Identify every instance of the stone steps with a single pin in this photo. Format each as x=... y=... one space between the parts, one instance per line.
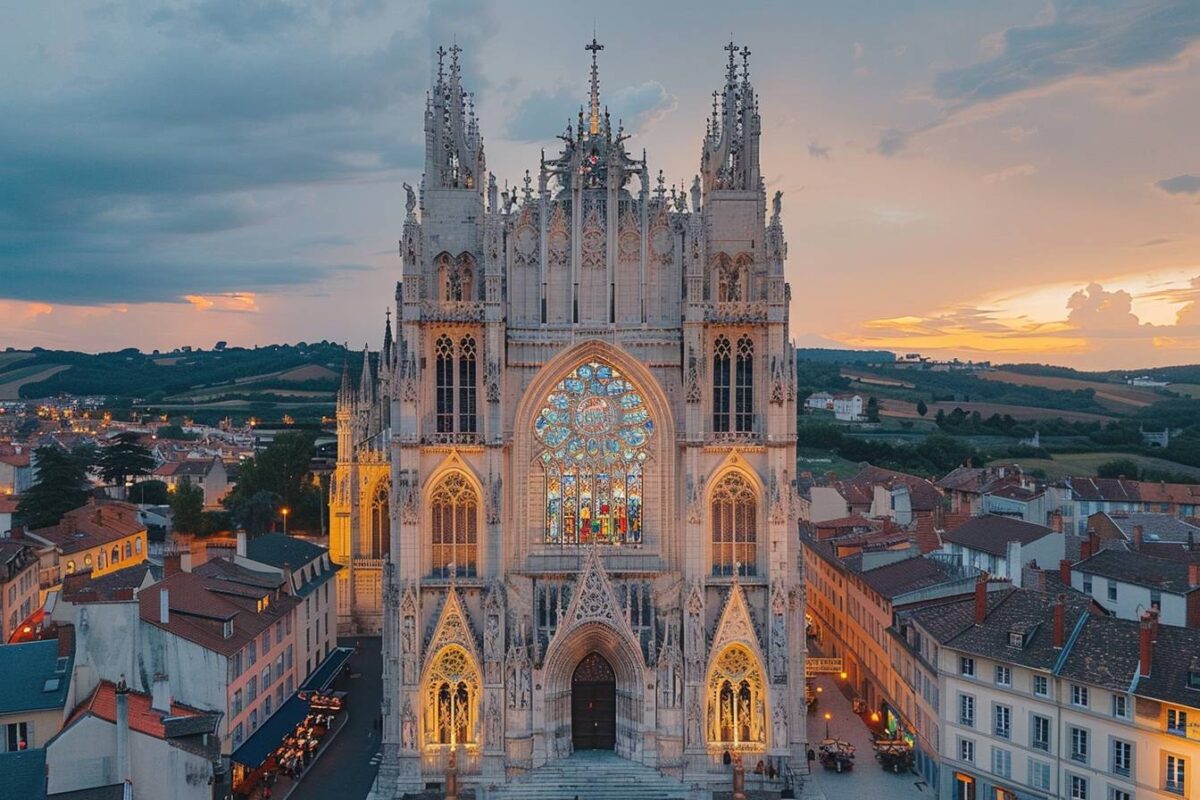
x=592 y=776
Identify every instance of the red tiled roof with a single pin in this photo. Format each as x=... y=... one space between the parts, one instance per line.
x=142 y=718
x=91 y=526
x=991 y=533
x=927 y=537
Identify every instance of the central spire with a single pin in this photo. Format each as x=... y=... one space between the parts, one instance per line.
x=594 y=125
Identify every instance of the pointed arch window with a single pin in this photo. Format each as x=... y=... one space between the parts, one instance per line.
x=734 y=517
x=736 y=700
x=595 y=429
x=467 y=420
x=721 y=384
x=381 y=520
x=452 y=699
x=744 y=386
x=460 y=278
x=443 y=353
x=454 y=510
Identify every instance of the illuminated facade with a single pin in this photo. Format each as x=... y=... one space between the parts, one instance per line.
x=564 y=491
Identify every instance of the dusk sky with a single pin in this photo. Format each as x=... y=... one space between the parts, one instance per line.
x=1013 y=181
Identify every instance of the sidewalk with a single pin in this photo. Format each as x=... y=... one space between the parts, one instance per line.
x=285 y=785
x=867 y=779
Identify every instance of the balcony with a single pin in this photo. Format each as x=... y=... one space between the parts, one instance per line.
x=736 y=313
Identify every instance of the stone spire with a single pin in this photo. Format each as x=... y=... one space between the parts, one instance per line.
x=453 y=146
x=366 y=384
x=594 y=97
x=730 y=155
x=345 y=397
x=386 y=355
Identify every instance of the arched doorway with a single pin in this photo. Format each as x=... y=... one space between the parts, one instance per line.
x=593 y=704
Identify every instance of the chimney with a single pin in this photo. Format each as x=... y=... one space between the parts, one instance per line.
x=981 y=591
x=172 y=563
x=1137 y=537
x=125 y=772
x=1146 y=641
x=1013 y=558
x=164 y=606
x=1064 y=572
x=160 y=693
x=241 y=543
x=1093 y=542
x=1060 y=622
x=1194 y=575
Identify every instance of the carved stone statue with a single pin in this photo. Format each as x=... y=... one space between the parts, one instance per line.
x=695 y=737
x=779 y=721
x=410 y=200
x=776 y=205
x=493 y=738
x=408 y=727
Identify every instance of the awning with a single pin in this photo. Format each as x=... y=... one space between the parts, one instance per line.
x=323 y=676
x=266 y=739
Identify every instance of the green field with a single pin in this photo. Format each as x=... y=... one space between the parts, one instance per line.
x=1068 y=464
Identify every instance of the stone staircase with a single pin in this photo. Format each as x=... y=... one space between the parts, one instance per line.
x=591 y=775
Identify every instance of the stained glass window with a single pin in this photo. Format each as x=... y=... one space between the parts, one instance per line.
x=454 y=513
x=734 y=512
x=594 y=428
x=381 y=521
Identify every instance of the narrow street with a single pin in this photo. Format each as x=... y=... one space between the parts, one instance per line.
x=868 y=778
x=347 y=768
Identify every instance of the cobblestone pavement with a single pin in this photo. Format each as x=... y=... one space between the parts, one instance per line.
x=867 y=779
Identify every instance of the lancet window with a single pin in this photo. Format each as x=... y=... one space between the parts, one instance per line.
x=744 y=386
x=452 y=699
x=736 y=700
x=454 y=525
x=594 y=428
x=721 y=384
x=456 y=375
x=381 y=520
x=734 y=518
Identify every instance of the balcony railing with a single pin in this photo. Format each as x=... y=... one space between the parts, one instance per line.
x=452 y=311
x=736 y=313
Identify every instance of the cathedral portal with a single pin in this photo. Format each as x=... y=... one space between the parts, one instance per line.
x=593 y=704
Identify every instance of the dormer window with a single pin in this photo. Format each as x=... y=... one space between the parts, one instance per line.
x=1193 y=679
x=227 y=628
x=1016 y=639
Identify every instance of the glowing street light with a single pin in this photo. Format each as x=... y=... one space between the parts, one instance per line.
x=285 y=511
x=828 y=717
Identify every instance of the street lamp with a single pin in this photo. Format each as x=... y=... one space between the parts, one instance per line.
x=285 y=511
x=828 y=717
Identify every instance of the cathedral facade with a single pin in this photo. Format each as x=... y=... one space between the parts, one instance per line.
x=564 y=492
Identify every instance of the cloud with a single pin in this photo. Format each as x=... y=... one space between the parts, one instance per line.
x=818 y=150
x=153 y=172
x=1008 y=173
x=1155 y=242
x=892 y=141
x=1019 y=133
x=1073 y=40
x=1180 y=184
x=545 y=113
x=1097 y=311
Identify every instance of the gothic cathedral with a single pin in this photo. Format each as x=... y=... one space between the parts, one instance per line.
x=564 y=491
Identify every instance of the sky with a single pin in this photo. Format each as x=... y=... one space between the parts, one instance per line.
x=1016 y=181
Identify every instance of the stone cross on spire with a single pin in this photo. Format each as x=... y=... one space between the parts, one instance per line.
x=746 y=64
x=441 y=56
x=595 y=47
x=731 y=72
x=455 y=71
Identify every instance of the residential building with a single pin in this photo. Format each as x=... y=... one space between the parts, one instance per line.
x=18 y=585
x=100 y=537
x=1077 y=706
x=856 y=587
x=1153 y=533
x=16 y=468
x=117 y=736
x=8 y=508
x=1091 y=495
x=24 y=774
x=848 y=407
x=309 y=573
x=1126 y=583
x=1004 y=490
x=37 y=690
x=207 y=473
x=1002 y=546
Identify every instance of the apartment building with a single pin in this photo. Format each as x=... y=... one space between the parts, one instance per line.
x=1041 y=698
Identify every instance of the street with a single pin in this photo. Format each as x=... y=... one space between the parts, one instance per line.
x=347 y=768
x=867 y=779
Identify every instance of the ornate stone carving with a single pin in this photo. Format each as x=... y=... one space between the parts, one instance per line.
x=518 y=670
x=408 y=638
x=453 y=628
x=735 y=625
x=694 y=639
x=777 y=381
x=778 y=637
x=493 y=739
x=492 y=500
x=779 y=720
x=593 y=250
x=670 y=664
x=410 y=202
x=408 y=379
x=408 y=726
x=693 y=377
x=695 y=722
x=776 y=499
x=558 y=240
x=491 y=381
x=493 y=635
x=629 y=240
x=406 y=491
x=695 y=499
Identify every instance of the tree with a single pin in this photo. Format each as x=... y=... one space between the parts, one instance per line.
x=187 y=507
x=282 y=470
x=1119 y=468
x=123 y=458
x=872 y=409
x=256 y=513
x=61 y=486
x=922 y=409
x=153 y=493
